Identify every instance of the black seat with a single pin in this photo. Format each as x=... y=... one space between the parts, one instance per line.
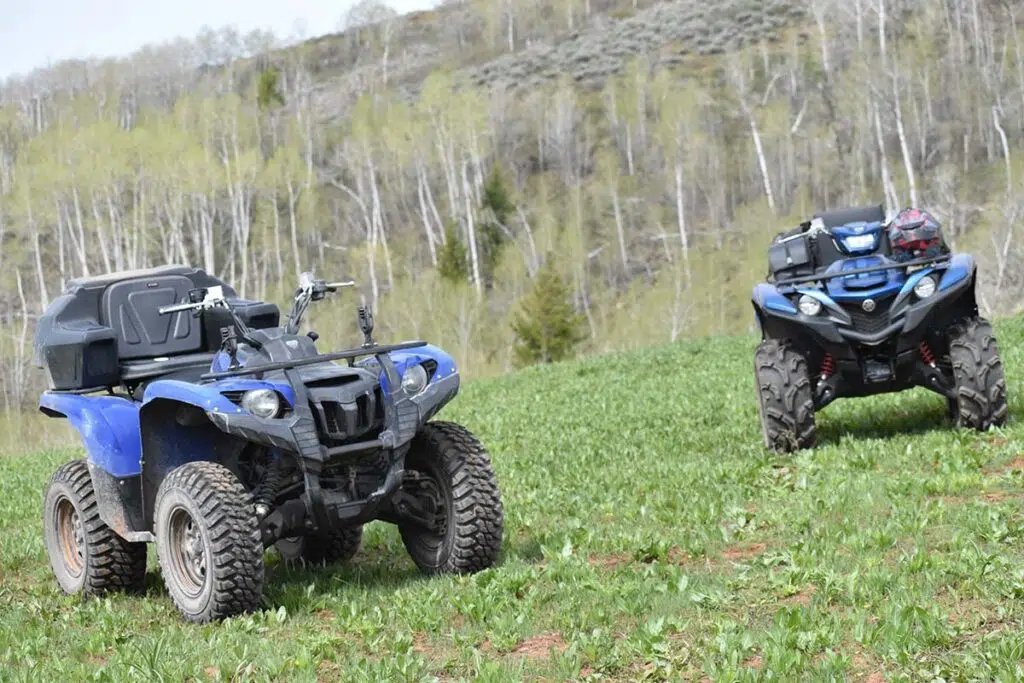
x=854 y=214
x=139 y=370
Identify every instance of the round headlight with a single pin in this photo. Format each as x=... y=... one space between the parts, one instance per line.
x=262 y=402
x=925 y=287
x=414 y=379
x=809 y=305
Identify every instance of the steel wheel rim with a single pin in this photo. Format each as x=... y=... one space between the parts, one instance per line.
x=70 y=536
x=434 y=542
x=188 y=552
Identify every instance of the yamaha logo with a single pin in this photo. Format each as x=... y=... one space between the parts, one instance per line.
x=868 y=305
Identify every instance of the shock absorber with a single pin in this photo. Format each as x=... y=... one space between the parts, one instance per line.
x=266 y=490
x=926 y=353
x=828 y=366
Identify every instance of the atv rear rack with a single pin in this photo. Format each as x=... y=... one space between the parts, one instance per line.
x=803 y=279
x=350 y=354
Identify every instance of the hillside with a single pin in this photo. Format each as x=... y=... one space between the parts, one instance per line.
x=647 y=150
x=646 y=538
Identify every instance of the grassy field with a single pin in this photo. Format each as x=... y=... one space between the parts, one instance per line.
x=649 y=536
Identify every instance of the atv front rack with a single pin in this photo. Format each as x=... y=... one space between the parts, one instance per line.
x=374 y=350
x=804 y=279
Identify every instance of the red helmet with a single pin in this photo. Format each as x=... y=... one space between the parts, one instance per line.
x=914 y=233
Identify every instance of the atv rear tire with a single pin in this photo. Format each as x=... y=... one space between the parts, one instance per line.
x=978 y=374
x=784 y=397
x=337 y=546
x=85 y=554
x=458 y=467
x=208 y=542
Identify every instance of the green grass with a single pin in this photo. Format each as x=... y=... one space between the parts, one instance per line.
x=648 y=534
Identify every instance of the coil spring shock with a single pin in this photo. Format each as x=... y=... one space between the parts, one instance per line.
x=926 y=353
x=268 y=487
x=828 y=366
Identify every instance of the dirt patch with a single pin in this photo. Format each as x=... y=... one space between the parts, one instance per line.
x=1016 y=464
x=754 y=662
x=875 y=677
x=327 y=670
x=212 y=672
x=743 y=551
x=800 y=598
x=609 y=562
x=540 y=646
x=420 y=644
x=994 y=496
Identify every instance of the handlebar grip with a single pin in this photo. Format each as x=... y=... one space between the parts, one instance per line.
x=333 y=286
x=176 y=308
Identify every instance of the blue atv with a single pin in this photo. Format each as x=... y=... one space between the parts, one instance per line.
x=856 y=306
x=215 y=432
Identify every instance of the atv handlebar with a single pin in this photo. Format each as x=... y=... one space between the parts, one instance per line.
x=214 y=296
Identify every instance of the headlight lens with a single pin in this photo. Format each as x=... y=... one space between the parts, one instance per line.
x=262 y=402
x=809 y=305
x=414 y=379
x=925 y=287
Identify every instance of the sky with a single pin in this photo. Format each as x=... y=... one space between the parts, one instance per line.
x=34 y=33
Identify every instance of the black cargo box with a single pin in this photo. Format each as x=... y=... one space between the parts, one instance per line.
x=87 y=333
x=790 y=256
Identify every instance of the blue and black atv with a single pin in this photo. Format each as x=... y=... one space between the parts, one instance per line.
x=856 y=305
x=216 y=433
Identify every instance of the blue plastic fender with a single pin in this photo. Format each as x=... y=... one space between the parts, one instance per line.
x=767 y=297
x=108 y=425
x=961 y=266
x=404 y=359
x=209 y=396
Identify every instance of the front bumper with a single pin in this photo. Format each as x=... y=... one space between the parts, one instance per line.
x=846 y=332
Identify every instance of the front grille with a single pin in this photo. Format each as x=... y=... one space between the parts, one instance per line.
x=345 y=420
x=868 y=323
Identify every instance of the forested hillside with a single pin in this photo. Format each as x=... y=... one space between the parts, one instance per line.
x=647 y=150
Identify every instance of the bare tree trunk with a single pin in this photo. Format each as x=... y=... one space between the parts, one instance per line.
x=890 y=191
x=684 y=239
x=471 y=235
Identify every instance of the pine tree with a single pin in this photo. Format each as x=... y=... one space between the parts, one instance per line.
x=495 y=210
x=452 y=262
x=547 y=328
x=268 y=90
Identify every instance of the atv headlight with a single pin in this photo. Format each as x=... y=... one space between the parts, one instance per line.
x=925 y=287
x=262 y=402
x=414 y=379
x=809 y=305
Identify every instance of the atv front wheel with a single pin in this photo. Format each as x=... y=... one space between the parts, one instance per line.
x=85 y=554
x=336 y=546
x=458 y=479
x=978 y=374
x=784 y=397
x=208 y=542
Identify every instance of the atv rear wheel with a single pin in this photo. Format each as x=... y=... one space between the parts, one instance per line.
x=978 y=374
x=336 y=546
x=784 y=397
x=208 y=542
x=85 y=554
x=458 y=478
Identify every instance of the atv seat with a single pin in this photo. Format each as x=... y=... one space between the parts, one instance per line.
x=855 y=214
x=140 y=370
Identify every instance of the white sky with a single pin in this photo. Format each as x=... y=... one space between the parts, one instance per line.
x=34 y=33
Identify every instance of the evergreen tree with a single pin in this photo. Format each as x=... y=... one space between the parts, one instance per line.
x=495 y=211
x=547 y=328
x=452 y=262
x=268 y=90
